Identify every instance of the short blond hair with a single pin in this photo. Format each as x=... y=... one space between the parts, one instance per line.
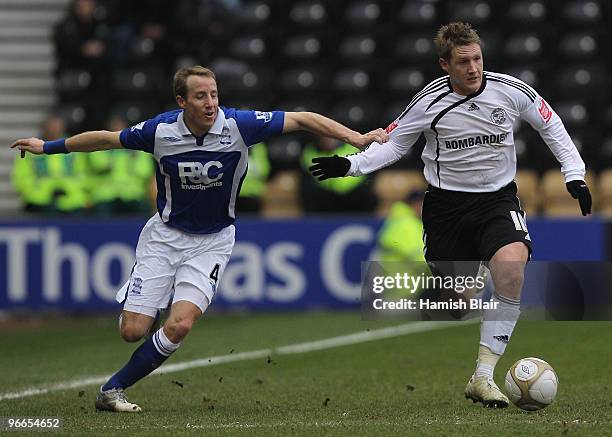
x=452 y=35
x=179 y=84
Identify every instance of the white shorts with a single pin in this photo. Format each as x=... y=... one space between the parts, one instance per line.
x=171 y=263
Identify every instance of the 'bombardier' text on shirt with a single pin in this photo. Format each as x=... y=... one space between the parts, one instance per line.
x=469 y=139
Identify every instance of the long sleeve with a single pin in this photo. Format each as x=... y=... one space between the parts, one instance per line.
x=375 y=157
x=550 y=127
x=403 y=133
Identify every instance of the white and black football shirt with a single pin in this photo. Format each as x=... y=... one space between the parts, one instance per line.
x=469 y=139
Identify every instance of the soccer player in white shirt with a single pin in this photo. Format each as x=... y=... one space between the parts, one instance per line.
x=201 y=152
x=470 y=210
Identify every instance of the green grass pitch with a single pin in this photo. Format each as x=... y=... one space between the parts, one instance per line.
x=406 y=385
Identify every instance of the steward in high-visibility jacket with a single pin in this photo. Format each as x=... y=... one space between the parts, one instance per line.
x=51 y=183
x=401 y=236
x=254 y=184
x=400 y=243
x=118 y=181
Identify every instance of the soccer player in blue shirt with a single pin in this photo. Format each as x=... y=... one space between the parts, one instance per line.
x=201 y=153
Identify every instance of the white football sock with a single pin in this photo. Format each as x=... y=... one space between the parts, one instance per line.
x=485 y=365
x=163 y=344
x=495 y=332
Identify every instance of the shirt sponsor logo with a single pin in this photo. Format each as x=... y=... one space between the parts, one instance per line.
x=392 y=126
x=265 y=116
x=464 y=143
x=171 y=139
x=545 y=111
x=498 y=116
x=194 y=175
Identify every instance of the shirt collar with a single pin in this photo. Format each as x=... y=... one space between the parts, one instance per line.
x=477 y=93
x=182 y=127
x=217 y=127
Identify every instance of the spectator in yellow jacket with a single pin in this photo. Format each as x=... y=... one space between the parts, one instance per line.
x=254 y=184
x=401 y=236
x=51 y=183
x=119 y=179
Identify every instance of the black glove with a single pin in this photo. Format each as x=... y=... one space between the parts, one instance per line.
x=332 y=167
x=580 y=191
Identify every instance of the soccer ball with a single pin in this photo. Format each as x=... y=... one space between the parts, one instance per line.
x=531 y=384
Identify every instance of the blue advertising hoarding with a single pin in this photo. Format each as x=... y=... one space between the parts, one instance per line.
x=276 y=264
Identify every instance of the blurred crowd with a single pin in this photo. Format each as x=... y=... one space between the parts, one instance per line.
x=122 y=181
x=102 y=183
x=357 y=61
x=118 y=57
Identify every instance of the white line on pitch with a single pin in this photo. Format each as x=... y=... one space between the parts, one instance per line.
x=328 y=343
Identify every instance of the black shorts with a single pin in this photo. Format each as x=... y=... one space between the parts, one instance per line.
x=460 y=226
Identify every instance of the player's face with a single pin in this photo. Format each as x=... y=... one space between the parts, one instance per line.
x=201 y=104
x=464 y=68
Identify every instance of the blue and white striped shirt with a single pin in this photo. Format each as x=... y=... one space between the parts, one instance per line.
x=199 y=178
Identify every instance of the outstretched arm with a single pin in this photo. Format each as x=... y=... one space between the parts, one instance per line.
x=402 y=135
x=550 y=127
x=323 y=126
x=373 y=158
x=85 y=142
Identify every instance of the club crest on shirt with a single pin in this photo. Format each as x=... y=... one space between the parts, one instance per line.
x=498 y=116
x=225 y=137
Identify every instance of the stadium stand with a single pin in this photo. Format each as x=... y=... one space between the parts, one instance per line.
x=418 y=13
x=255 y=15
x=393 y=185
x=527 y=13
x=305 y=81
x=281 y=198
x=527 y=182
x=27 y=91
x=357 y=60
x=604 y=186
x=555 y=201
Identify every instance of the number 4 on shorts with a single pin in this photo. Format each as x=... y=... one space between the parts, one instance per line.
x=214 y=274
x=519 y=221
